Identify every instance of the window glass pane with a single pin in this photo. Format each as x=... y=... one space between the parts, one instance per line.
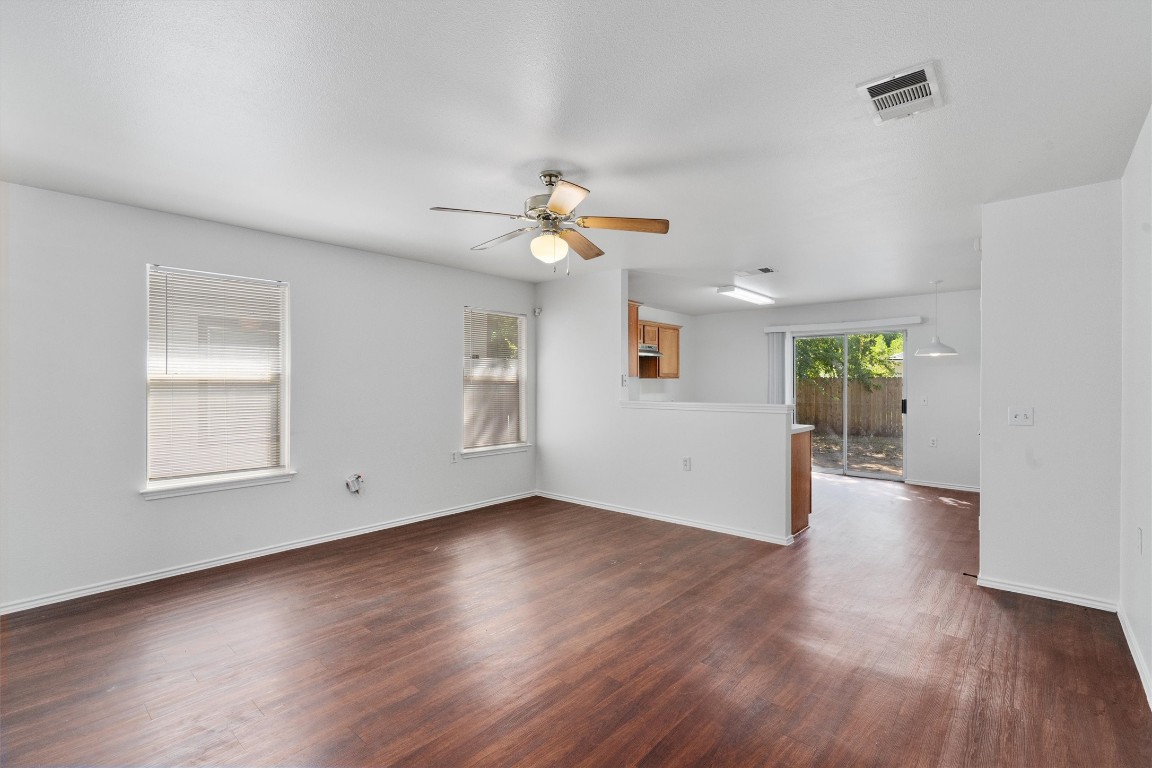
x=493 y=379
x=216 y=363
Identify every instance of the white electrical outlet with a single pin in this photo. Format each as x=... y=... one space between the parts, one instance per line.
x=931 y=442
x=454 y=457
x=923 y=399
x=1020 y=417
x=687 y=464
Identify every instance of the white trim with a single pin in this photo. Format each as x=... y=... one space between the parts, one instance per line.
x=166 y=489
x=945 y=486
x=202 y=273
x=92 y=589
x=1137 y=657
x=495 y=450
x=744 y=534
x=1048 y=594
x=851 y=325
x=663 y=405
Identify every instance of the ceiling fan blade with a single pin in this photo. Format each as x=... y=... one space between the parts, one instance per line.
x=565 y=197
x=501 y=239
x=582 y=245
x=486 y=213
x=658 y=226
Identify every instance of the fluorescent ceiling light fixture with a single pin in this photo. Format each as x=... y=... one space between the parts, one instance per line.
x=936 y=348
x=737 y=292
x=548 y=247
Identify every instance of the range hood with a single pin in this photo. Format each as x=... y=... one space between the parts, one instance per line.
x=648 y=350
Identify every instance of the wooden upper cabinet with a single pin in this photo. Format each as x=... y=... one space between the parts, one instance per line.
x=669 y=342
x=633 y=338
x=665 y=337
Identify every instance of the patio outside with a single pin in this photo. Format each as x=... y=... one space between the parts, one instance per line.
x=875 y=426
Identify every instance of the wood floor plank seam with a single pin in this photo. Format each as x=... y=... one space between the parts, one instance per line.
x=540 y=632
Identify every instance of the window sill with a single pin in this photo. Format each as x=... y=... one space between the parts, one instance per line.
x=475 y=453
x=169 y=488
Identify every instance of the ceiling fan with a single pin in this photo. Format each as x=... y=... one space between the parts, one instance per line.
x=549 y=213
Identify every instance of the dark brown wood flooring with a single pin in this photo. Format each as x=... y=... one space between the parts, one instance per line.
x=541 y=633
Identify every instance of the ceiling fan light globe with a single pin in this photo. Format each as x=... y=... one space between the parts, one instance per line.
x=548 y=248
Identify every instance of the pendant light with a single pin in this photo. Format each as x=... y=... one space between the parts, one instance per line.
x=936 y=348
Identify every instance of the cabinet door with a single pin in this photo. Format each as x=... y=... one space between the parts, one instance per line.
x=649 y=334
x=801 y=480
x=633 y=339
x=669 y=353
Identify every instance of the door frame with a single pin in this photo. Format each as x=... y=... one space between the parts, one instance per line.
x=844 y=332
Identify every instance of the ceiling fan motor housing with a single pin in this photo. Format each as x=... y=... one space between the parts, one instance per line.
x=536 y=207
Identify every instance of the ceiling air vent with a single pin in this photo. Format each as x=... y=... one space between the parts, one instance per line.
x=755 y=271
x=902 y=93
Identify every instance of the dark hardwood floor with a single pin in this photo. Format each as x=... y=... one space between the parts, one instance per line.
x=541 y=633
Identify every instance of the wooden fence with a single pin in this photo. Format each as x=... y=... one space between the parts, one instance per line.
x=870 y=411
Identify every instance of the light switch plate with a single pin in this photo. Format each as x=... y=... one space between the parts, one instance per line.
x=1020 y=417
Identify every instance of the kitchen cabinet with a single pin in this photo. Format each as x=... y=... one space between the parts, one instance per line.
x=665 y=337
x=668 y=364
x=801 y=476
x=633 y=338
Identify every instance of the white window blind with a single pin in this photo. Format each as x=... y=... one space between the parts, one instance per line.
x=216 y=375
x=493 y=379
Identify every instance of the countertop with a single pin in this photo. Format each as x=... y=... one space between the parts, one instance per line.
x=798 y=428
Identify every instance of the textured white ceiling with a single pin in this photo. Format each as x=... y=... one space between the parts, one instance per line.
x=739 y=121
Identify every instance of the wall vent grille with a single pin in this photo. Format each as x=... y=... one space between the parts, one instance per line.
x=755 y=271
x=902 y=93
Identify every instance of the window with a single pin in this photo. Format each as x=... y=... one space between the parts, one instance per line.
x=493 y=379
x=217 y=379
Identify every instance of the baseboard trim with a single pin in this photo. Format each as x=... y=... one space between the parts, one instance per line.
x=1137 y=656
x=945 y=486
x=165 y=573
x=744 y=534
x=1048 y=594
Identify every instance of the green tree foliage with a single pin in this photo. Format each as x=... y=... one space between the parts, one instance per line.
x=869 y=357
x=504 y=336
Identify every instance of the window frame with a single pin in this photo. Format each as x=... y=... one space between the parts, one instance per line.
x=522 y=443
x=217 y=481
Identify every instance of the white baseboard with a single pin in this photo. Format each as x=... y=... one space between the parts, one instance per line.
x=670 y=519
x=1137 y=655
x=164 y=573
x=1049 y=594
x=945 y=486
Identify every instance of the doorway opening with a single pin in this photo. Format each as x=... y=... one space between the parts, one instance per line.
x=850 y=386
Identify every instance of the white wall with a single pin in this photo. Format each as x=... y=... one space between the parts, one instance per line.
x=1136 y=406
x=375 y=388
x=596 y=448
x=666 y=389
x=1050 y=284
x=729 y=354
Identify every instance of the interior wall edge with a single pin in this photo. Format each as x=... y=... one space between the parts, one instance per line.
x=945 y=486
x=715 y=528
x=40 y=601
x=1086 y=601
x=1138 y=659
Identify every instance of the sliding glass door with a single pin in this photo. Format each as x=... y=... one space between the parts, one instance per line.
x=851 y=388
